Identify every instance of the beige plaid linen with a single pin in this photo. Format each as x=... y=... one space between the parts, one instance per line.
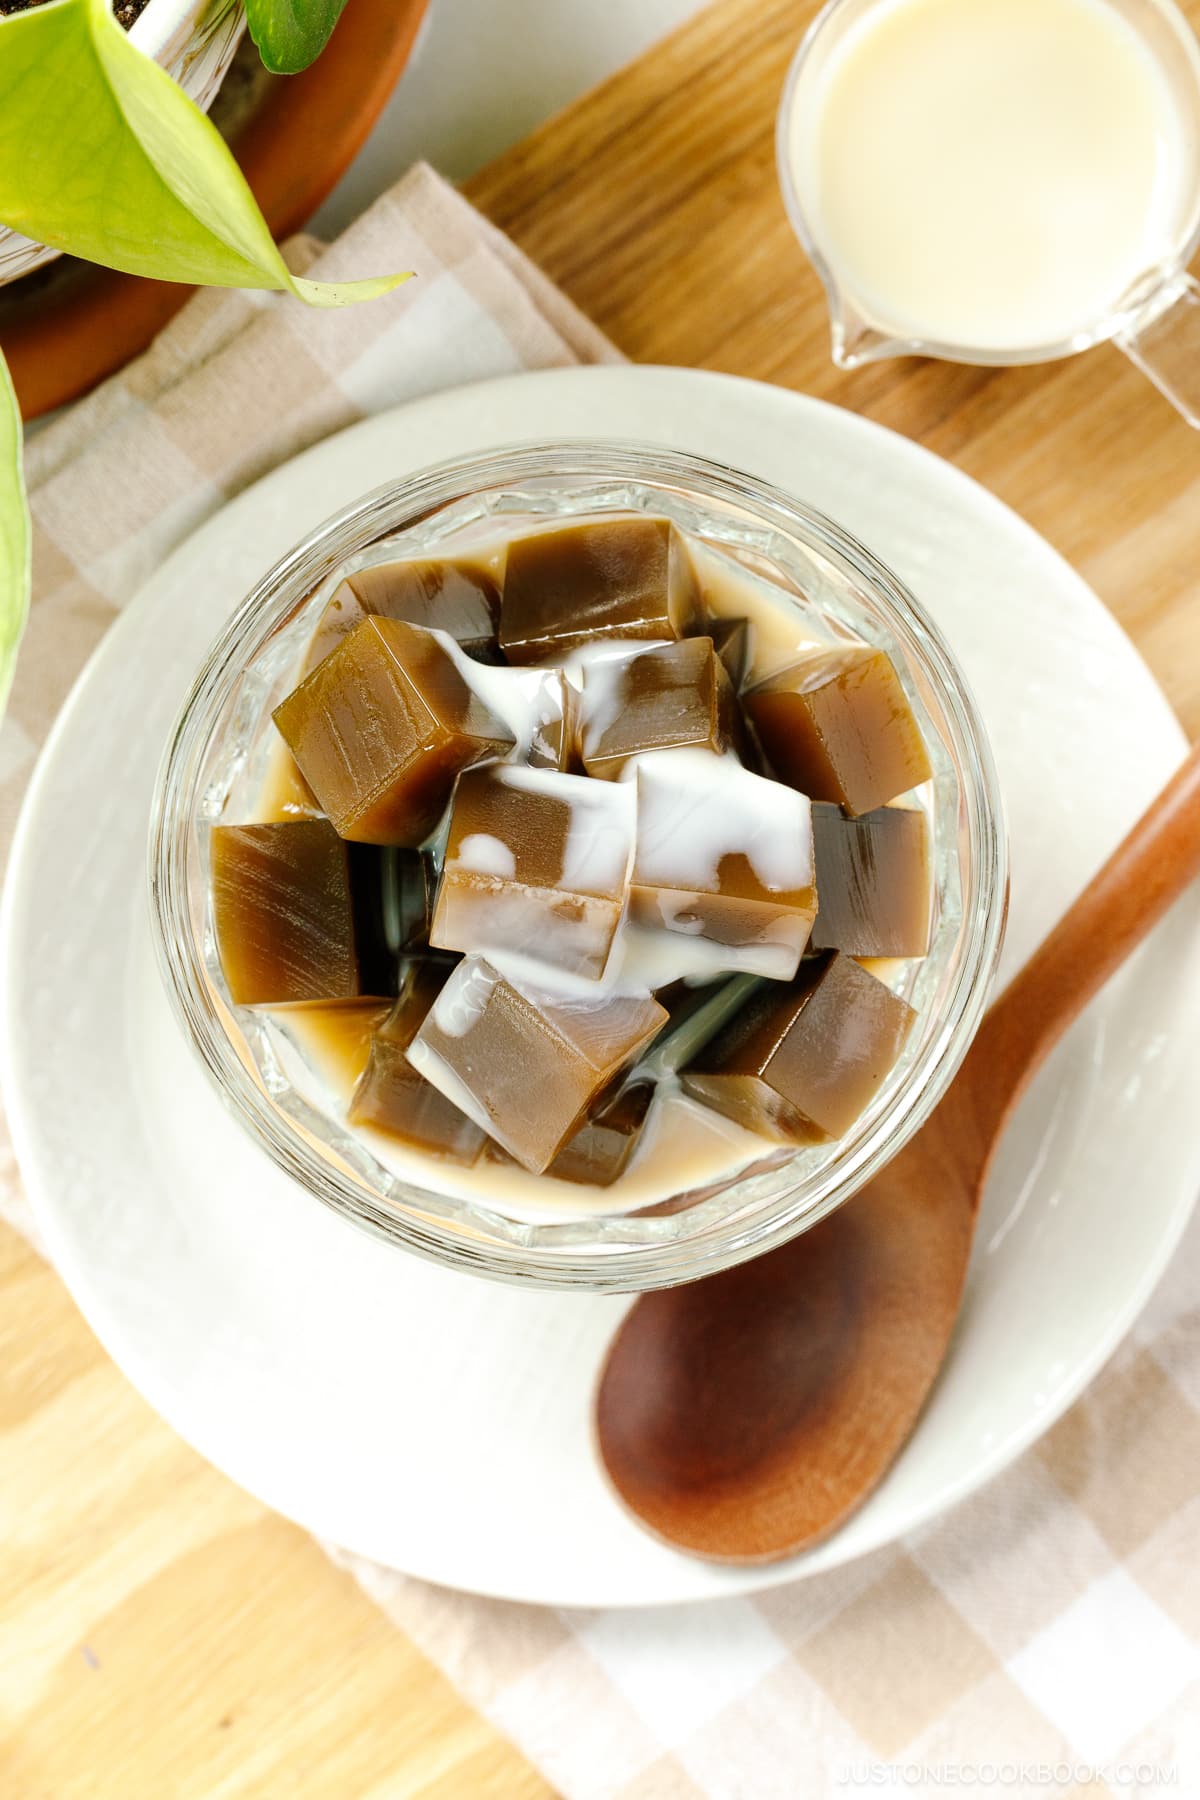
x=1043 y=1639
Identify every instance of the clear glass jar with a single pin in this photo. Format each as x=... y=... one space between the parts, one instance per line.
x=833 y=581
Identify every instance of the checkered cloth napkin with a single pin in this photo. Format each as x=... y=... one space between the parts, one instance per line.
x=1043 y=1639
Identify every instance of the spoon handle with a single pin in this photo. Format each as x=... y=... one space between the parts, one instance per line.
x=1147 y=872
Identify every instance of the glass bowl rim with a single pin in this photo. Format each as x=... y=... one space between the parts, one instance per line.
x=286 y=586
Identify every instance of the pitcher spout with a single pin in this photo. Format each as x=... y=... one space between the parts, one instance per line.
x=855 y=339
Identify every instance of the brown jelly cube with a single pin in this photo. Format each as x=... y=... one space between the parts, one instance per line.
x=392 y=889
x=838 y=726
x=452 y=596
x=284 y=793
x=600 y=1150
x=724 y=855
x=873 y=878
x=552 y=703
x=673 y=697
x=393 y=1097
x=334 y=1036
x=381 y=728
x=524 y=1064
x=799 y=1063
x=626 y=577
x=536 y=862
x=374 y=931
x=283 y=912
x=407 y=885
x=732 y=643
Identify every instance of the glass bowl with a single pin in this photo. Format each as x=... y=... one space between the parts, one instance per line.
x=837 y=588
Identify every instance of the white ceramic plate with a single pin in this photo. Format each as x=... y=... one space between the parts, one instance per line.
x=439 y=1423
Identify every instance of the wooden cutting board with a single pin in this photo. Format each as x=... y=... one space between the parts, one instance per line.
x=162 y=1636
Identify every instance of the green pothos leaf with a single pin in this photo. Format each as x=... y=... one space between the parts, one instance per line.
x=102 y=155
x=14 y=534
x=290 y=34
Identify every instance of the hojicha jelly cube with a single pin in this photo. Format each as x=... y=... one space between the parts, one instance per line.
x=381 y=728
x=724 y=855
x=800 y=1063
x=375 y=923
x=523 y=1063
x=552 y=717
x=873 y=879
x=283 y=912
x=837 y=725
x=334 y=1038
x=672 y=697
x=457 y=597
x=600 y=1151
x=535 y=862
x=284 y=793
x=393 y=1097
x=603 y=578
x=733 y=643
x=407 y=886
x=393 y=889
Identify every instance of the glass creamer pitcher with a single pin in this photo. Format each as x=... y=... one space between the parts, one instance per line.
x=1001 y=181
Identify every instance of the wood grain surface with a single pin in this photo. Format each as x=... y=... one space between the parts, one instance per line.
x=163 y=1637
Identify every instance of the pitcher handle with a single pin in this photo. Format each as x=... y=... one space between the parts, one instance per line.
x=1164 y=341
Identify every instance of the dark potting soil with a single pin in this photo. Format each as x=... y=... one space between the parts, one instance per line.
x=124 y=11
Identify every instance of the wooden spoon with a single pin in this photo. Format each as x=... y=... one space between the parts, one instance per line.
x=748 y=1415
